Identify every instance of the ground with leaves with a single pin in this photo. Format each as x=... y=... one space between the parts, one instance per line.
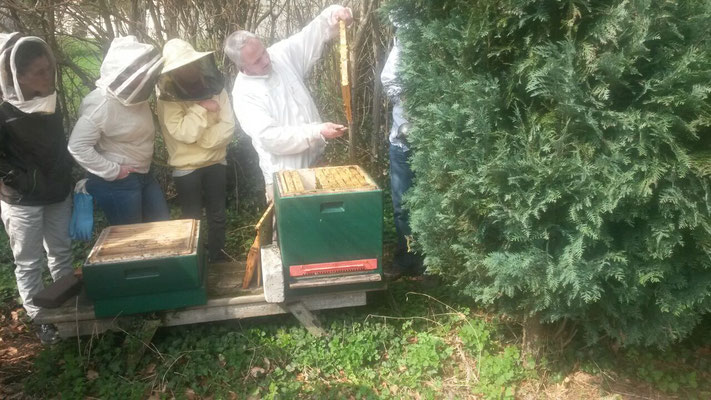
x=409 y=342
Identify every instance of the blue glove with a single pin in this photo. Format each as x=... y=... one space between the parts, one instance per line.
x=82 y=224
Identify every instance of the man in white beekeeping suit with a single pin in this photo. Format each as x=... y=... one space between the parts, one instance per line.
x=270 y=98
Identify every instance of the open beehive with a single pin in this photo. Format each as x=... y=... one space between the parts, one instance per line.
x=146 y=267
x=330 y=223
x=323 y=180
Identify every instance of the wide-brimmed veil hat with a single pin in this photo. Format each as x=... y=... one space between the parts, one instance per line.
x=178 y=52
x=203 y=79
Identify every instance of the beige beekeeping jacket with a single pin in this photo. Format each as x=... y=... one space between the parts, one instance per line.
x=195 y=137
x=115 y=125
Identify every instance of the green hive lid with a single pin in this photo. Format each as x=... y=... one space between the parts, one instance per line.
x=121 y=243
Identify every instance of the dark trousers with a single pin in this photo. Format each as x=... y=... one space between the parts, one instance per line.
x=206 y=186
x=401 y=177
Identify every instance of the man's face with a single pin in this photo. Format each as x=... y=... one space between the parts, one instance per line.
x=38 y=79
x=255 y=59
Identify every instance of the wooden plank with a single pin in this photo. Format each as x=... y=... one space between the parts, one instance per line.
x=68 y=329
x=135 y=344
x=70 y=325
x=341 y=280
x=216 y=312
x=307 y=319
x=225 y=280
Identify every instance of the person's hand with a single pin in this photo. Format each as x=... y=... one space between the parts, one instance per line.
x=210 y=105
x=344 y=14
x=331 y=131
x=124 y=171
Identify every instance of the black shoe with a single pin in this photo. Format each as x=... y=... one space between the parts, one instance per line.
x=47 y=334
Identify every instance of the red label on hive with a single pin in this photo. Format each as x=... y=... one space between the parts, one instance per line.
x=337 y=267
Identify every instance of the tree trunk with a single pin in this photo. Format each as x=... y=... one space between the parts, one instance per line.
x=533 y=338
x=377 y=104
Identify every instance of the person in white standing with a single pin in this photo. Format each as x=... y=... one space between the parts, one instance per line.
x=35 y=169
x=270 y=98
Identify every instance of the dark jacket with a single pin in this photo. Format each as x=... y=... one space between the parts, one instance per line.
x=35 y=166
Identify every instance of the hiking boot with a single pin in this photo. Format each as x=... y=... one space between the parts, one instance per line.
x=47 y=334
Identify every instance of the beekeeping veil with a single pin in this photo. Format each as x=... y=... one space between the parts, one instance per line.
x=17 y=65
x=188 y=75
x=130 y=70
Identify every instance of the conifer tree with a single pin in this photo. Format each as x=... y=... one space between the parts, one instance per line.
x=563 y=152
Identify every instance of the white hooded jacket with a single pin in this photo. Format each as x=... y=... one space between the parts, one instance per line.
x=115 y=125
x=277 y=110
x=9 y=84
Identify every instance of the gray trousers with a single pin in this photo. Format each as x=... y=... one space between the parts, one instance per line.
x=34 y=230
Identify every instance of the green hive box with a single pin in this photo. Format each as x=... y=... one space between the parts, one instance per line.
x=146 y=267
x=330 y=229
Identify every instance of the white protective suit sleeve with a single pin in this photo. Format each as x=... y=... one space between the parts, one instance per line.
x=389 y=76
x=82 y=144
x=305 y=47
x=274 y=138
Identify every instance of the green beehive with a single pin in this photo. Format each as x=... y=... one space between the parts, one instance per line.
x=146 y=267
x=330 y=229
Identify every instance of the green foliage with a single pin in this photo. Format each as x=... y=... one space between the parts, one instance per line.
x=560 y=154
x=428 y=350
x=499 y=367
x=364 y=355
x=85 y=56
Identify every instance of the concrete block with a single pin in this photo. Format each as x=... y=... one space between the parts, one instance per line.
x=272 y=274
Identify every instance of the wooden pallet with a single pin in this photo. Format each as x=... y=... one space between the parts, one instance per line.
x=227 y=300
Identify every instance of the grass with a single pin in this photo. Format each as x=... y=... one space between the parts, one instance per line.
x=369 y=353
x=407 y=343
